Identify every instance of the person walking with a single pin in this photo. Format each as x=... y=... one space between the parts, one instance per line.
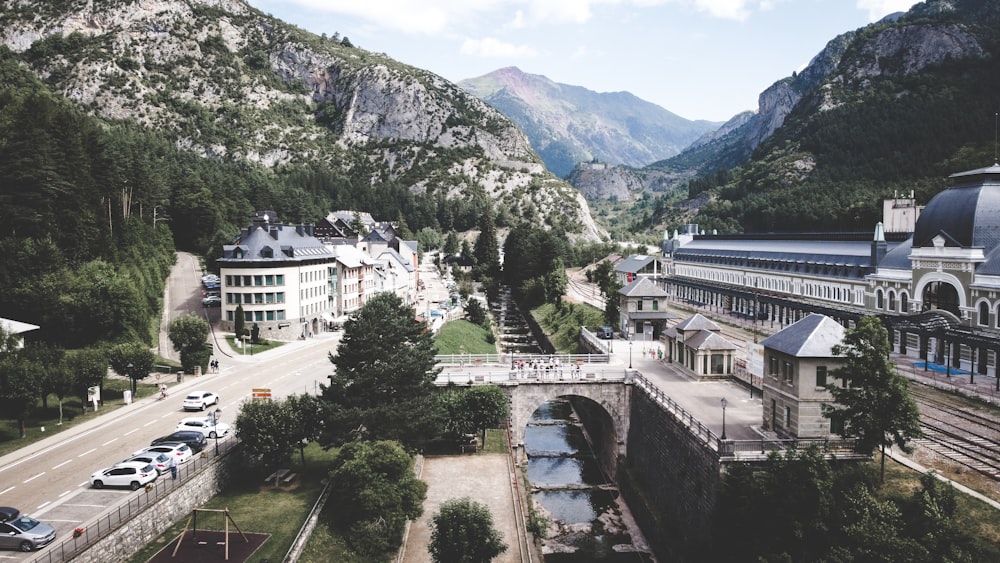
x=173 y=467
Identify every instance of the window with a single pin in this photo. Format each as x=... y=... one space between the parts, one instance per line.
x=904 y=303
x=270 y=315
x=773 y=367
x=984 y=314
x=258 y=280
x=786 y=371
x=788 y=417
x=892 y=300
x=279 y=279
x=280 y=297
x=820 y=376
x=269 y=279
x=258 y=298
x=638 y=305
x=280 y=314
x=879 y=302
x=656 y=305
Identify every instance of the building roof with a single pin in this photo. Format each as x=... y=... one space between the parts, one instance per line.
x=392 y=254
x=967 y=214
x=634 y=263
x=708 y=340
x=812 y=337
x=269 y=242
x=642 y=287
x=697 y=321
x=16 y=327
x=350 y=256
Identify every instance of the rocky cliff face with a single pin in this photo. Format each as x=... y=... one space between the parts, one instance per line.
x=228 y=82
x=569 y=124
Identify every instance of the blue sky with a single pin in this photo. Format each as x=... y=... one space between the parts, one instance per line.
x=700 y=59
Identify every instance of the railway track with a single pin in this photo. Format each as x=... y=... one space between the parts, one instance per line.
x=959 y=431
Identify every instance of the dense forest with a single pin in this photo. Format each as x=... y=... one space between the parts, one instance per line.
x=93 y=211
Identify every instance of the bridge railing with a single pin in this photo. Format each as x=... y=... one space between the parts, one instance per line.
x=696 y=427
x=568 y=374
x=512 y=360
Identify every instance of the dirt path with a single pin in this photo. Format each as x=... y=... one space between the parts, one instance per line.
x=485 y=478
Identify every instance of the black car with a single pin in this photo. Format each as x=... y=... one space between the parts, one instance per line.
x=194 y=439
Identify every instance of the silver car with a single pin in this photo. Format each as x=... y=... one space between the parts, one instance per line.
x=20 y=531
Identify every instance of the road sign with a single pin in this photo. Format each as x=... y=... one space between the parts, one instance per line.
x=261 y=393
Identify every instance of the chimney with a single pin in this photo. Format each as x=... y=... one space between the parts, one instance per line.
x=274 y=232
x=300 y=229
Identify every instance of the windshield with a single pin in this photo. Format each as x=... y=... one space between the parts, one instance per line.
x=24 y=523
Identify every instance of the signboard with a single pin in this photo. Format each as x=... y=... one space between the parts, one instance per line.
x=755 y=359
x=262 y=393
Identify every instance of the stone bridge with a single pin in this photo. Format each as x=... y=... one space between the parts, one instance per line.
x=610 y=389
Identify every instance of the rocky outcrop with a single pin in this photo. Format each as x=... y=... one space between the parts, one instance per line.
x=229 y=82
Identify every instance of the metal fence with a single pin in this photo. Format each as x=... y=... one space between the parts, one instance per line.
x=568 y=374
x=86 y=535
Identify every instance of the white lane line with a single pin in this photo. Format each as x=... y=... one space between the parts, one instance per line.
x=87 y=452
x=41 y=506
x=148 y=423
x=65 y=493
x=30 y=479
x=63 y=463
x=131 y=431
x=109 y=441
x=8 y=489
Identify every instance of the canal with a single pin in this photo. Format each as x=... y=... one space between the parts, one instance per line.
x=588 y=521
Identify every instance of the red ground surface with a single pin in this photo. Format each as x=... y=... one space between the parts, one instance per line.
x=207 y=547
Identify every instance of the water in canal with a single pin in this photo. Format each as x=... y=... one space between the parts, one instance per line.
x=583 y=508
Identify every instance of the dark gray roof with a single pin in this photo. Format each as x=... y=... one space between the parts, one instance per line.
x=967 y=214
x=899 y=257
x=642 y=287
x=275 y=243
x=812 y=337
x=634 y=263
x=708 y=340
x=697 y=321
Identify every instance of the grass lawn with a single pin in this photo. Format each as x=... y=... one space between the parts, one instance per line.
x=462 y=337
x=48 y=417
x=251 y=349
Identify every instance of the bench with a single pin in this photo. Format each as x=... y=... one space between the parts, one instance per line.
x=287 y=479
x=277 y=475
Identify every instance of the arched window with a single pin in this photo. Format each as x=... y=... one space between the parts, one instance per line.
x=904 y=303
x=984 y=314
x=892 y=300
x=879 y=302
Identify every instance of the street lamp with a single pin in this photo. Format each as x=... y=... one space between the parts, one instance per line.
x=724 y=404
x=128 y=372
x=630 y=351
x=215 y=428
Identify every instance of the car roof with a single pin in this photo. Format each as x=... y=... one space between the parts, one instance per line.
x=168 y=445
x=198 y=392
x=131 y=464
x=8 y=513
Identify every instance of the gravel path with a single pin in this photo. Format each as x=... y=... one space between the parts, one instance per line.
x=485 y=478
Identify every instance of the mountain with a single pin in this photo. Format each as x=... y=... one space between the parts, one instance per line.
x=571 y=124
x=224 y=81
x=894 y=106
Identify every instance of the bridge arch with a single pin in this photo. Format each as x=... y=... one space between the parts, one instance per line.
x=612 y=398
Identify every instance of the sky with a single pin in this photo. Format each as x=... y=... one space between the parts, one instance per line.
x=700 y=59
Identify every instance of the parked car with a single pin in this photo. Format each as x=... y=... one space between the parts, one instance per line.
x=193 y=438
x=131 y=474
x=200 y=400
x=178 y=449
x=605 y=332
x=160 y=460
x=20 y=531
x=212 y=301
x=205 y=425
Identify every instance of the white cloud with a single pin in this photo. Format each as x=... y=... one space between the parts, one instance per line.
x=489 y=47
x=878 y=9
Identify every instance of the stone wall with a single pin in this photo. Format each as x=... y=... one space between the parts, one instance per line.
x=601 y=434
x=670 y=481
x=176 y=505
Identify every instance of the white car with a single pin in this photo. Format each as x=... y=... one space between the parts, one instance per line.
x=205 y=425
x=200 y=400
x=180 y=450
x=160 y=461
x=131 y=474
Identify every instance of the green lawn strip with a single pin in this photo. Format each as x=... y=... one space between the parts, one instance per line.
x=251 y=349
x=496 y=441
x=562 y=326
x=48 y=417
x=462 y=337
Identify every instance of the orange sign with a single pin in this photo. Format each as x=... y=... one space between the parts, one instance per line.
x=261 y=394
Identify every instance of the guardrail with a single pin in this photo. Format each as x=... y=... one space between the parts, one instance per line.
x=483 y=360
x=569 y=374
x=113 y=518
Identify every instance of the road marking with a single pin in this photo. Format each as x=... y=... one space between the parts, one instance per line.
x=109 y=441
x=91 y=450
x=41 y=506
x=131 y=431
x=148 y=423
x=8 y=489
x=29 y=479
x=63 y=463
x=65 y=493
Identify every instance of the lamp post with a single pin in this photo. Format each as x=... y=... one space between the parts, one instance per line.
x=215 y=428
x=630 y=352
x=129 y=374
x=724 y=404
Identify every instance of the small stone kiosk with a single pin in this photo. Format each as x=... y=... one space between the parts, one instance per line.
x=797 y=365
x=697 y=344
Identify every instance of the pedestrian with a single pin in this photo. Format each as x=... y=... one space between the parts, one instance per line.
x=173 y=467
